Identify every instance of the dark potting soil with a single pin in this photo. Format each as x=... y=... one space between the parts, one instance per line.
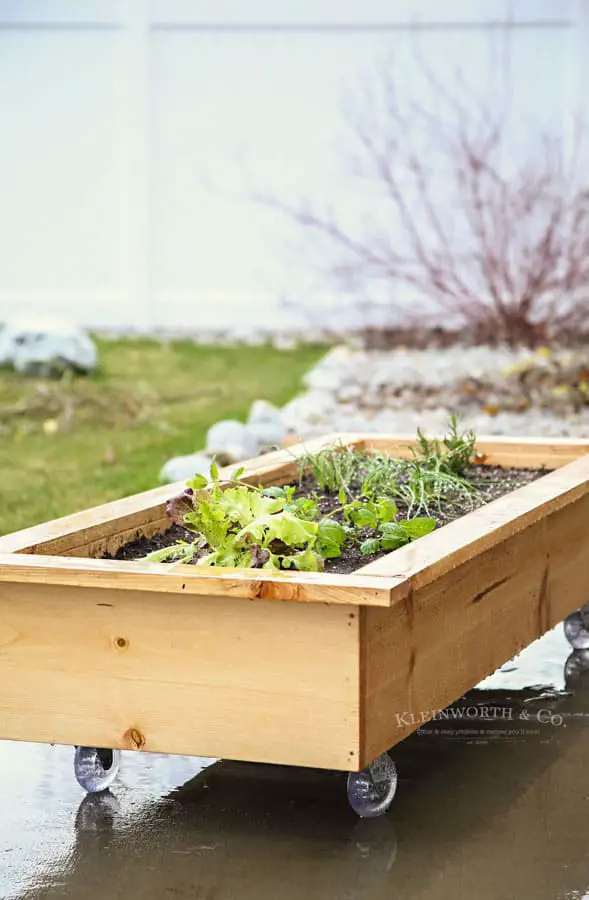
x=142 y=546
x=491 y=482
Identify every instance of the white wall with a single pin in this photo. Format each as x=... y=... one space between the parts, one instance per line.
x=133 y=133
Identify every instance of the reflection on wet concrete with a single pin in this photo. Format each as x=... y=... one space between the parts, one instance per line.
x=490 y=805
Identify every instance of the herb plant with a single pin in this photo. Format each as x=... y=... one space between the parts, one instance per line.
x=436 y=472
x=425 y=484
x=434 y=475
x=333 y=468
x=453 y=455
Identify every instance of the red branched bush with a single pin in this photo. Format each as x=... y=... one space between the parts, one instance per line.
x=494 y=240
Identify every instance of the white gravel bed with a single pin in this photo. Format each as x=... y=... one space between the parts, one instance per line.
x=351 y=390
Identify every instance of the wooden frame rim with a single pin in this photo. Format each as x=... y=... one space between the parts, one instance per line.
x=55 y=553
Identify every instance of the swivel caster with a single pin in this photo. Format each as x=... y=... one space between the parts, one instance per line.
x=96 y=768
x=576 y=665
x=576 y=629
x=371 y=791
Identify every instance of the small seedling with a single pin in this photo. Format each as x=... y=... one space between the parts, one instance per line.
x=334 y=468
x=459 y=450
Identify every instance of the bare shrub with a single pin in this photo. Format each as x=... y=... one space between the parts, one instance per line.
x=490 y=240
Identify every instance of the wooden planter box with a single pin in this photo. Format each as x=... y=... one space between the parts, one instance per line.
x=296 y=668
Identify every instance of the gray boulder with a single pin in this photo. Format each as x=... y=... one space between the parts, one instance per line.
x=46 y=348
x=230 y=441
x=181 y=468
x=265 y=425
x=313 y=407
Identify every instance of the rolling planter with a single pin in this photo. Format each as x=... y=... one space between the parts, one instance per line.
x=294 y=668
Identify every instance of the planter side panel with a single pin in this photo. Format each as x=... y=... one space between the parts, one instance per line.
x=445 y=636
x=252 y=680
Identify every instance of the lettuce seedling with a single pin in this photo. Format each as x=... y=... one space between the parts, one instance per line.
x=245 y=526
x=396 y=534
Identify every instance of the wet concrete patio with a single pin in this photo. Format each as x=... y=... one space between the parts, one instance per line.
x=492 y=803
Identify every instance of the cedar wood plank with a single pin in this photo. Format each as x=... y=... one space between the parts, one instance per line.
x=480 y=590
x=256 y=681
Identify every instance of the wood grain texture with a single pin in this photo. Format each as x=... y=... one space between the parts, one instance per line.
x=253 y=681
x=176 y=660
x=472 y=596
x=519 y=452
x=249 y=584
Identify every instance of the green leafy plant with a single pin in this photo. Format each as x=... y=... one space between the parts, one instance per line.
x=380 y=515
x=396 y=534
x=303 y=507
x=368 y=513
x=240 y=525
x=454 y=454
x=244 y=526
x=435 y=475
x=333 y=468
x=425 y=485
x=380 y=476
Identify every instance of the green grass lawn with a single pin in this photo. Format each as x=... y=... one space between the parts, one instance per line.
x=70 y=444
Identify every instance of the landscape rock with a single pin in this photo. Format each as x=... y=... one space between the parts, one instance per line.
x=350 y=393
x=312 y=408
x=181 y=468
x=495 y=390
x=265 y=425
x=46 y=348
x=230 y=442
x=333 y=370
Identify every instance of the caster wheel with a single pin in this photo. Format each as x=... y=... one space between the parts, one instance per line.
x=96 y=769
x=371 y=791
x=576 y=631
x=576 y=665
